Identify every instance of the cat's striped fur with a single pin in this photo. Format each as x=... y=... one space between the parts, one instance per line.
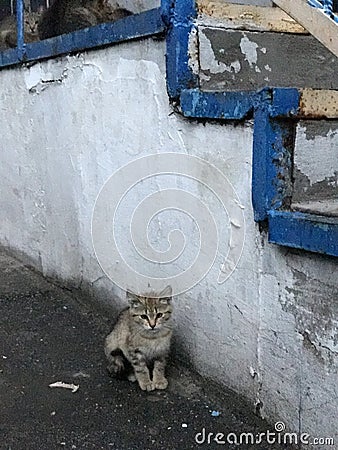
x=66 y=16
x=140 y=341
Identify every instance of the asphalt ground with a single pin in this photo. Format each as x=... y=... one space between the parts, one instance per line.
x=48 y=335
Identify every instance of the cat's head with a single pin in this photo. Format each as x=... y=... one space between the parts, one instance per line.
x=151 y=311
x=32 y=21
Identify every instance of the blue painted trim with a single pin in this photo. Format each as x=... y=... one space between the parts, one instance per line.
x=304 y=231
x=280 y=102
x=181 y=25
x=137 y=26
x=284 y=102
x=166 y=8
x=262 y=135
x=9 y=57
x=272 y=147
x=20 y=28
x=327 y=6
x=217 y=105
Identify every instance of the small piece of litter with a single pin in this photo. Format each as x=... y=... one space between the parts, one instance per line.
x=53 y=413
x=215 y=413
x=184 y=425
x=81 y=374
x=169 y=428
x=60 y=384
x=4 y=357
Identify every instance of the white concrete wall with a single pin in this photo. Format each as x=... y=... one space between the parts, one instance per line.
x=270 y=331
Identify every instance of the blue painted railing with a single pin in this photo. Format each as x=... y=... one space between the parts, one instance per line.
x=329 y=7
x=147 y=23
x=275 y=112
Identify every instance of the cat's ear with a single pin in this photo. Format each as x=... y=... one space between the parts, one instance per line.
x=132 y=298
x=166 y=295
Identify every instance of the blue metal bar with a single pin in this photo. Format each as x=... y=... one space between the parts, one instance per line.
x=147 y=23
x=166 y=8
x=217 y=105
x=261 y=142
x=181 y=25
x=316 y=3
x=305 y=231
x=284 y=102
x=20 y=28
x=272 y=148
x=9 y=57
x=273 y=143
x=329 y=7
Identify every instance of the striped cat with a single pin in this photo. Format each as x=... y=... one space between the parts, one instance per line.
x=66 y=16
x=8 y=32
x=140 y=340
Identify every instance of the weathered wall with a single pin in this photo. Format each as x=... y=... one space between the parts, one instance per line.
x=249 y=60
x=315 y=170
x=269 y=331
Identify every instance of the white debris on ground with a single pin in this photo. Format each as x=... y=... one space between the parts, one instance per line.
x=61 y=384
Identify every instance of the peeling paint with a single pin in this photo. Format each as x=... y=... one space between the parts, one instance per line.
x=314 y=306
x=210 y=63
x=193 y=51
x=249 y=50
x=316 y=158
x=259 y=57
x=39 y=77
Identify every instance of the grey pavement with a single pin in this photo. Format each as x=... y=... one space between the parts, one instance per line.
x=48 y=334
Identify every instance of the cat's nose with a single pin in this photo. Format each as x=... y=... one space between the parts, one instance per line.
x=152 y=324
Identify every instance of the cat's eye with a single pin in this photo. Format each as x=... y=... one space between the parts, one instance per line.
x=158 y=315
x=144 y=316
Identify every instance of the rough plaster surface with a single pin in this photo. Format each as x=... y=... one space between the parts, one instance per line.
x=316 y=161
x=270 y=330
x=244 y=60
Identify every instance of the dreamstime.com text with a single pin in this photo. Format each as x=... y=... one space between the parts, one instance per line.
x=278 y=436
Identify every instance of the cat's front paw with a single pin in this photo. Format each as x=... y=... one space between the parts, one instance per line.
x=146 y=385
x=161 y=384
x=131 y=377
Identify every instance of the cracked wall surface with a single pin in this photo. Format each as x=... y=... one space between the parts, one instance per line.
x=268 y=332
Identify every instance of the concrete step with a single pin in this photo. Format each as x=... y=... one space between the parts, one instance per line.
x=241 y=48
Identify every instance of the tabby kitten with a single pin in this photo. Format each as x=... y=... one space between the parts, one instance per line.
x=65 y=16
x=8 y=32
x=140 y=340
